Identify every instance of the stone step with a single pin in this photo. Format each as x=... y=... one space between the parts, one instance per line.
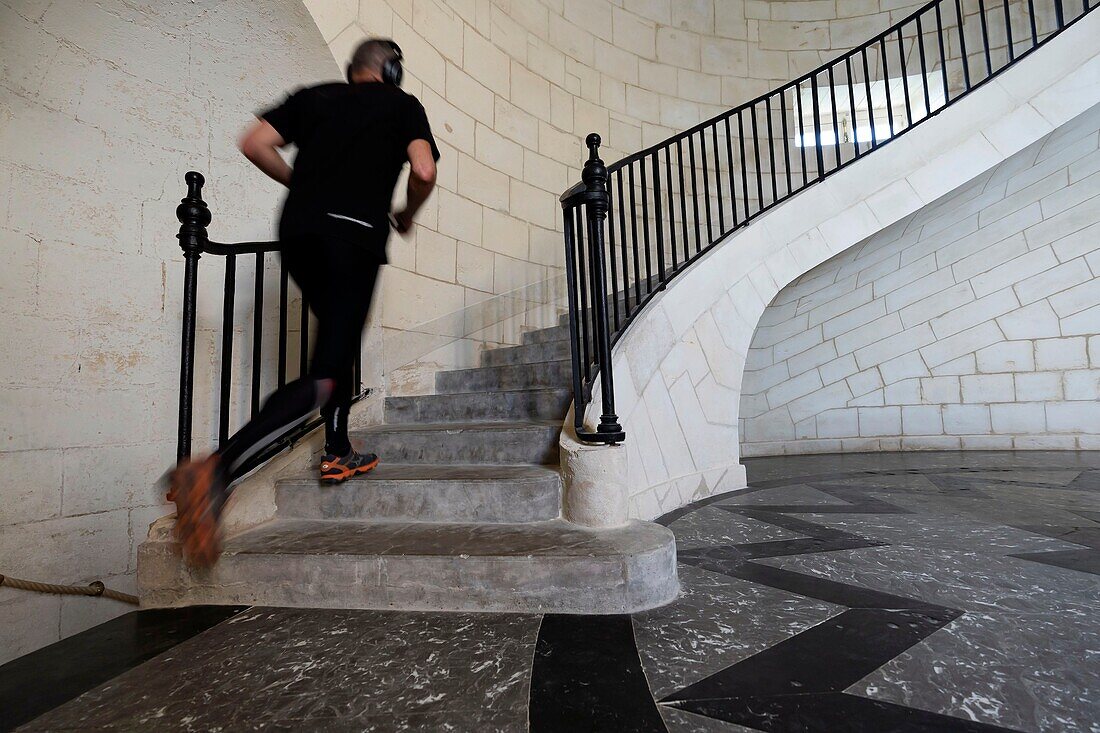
x=450 y=443
x=539 y=567
x=542 y=335
x=547 y=374
x=526 y=354
x=514 y=405
x=424 y=493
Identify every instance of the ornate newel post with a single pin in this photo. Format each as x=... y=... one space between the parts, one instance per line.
x=194 y=216
x=598 y=199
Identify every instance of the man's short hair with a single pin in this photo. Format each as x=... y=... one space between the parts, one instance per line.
x=372 y=54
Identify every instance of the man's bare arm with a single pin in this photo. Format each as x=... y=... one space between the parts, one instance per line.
x=260 y=143
x=421 y=182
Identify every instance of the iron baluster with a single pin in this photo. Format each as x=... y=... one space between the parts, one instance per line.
x=671 y=208
x=611 y=252
x=694 y=193
x=225 y=387
x=923 y=69
x=729 y=171
x=622 y=245
x=718 y=181
x=706 y=185
x=905 y=81
x=257 y=333
x=303 y=342
x=645 y=228
x=852 y=103
x=870 y=101
x=756 y=161
x=836 y=122
x=817 y=127
x=572 y=288
x=801 y=134
x=634 y=236
x=744 y=162
x=194 y=217
x=683 y=199
x=657 y=221
x=943 y=55
x=771 y=149
x=786 y=142
x=985 y=37
x=585 y=312
x=284 y=296
x=962 y=46
x=886 y=86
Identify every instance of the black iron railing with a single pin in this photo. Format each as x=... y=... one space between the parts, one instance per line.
x=194 y=217
x=667 y=205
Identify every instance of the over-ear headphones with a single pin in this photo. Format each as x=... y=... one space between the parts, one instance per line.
x=392 y=70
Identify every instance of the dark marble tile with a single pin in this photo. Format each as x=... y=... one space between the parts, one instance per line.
x=1083 y=536
x=1068 y=500
x=831 y=713
x=40 y=681
x=1085 y=560
x=968 y=580
x=830 y=591
x=270 y=666
x=717 y=621
x=983 y=509
x=681 y=721
x=458 y=721
x=1034 y=672
x=1022 y=476
x=798 y=494
x=945 y=531
x=825 y=658
x=587 y=677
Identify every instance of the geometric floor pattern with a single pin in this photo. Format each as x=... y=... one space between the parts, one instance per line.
x=874 y=592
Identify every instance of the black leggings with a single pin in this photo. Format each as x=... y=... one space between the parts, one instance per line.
x=337 y=279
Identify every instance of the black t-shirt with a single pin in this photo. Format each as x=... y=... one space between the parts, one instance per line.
x=352 y=143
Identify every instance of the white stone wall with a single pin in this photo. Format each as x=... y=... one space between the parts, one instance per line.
x=103 y=107
x=971 y=324
x=678 y=368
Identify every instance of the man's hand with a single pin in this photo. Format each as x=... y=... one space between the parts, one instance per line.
x=402 y=221
x=421 y=182
x=260 y=143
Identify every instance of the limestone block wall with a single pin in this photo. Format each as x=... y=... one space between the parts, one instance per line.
x=679 y=367
x=512 y=87
x=971 y=324
x=103 y=107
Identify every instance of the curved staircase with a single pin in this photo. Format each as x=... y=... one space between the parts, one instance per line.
x=464 y=513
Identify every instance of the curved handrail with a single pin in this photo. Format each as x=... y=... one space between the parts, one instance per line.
x=679 y=199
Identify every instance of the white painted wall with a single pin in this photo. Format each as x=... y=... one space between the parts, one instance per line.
x=970 y=324
x=678 y=369
x=103 y=106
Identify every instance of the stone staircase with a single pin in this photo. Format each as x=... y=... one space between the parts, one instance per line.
x=464 y=513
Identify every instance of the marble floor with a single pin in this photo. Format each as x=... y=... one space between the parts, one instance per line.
x=870 y=592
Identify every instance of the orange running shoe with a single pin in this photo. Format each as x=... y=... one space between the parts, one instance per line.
x=335 y=470
x=198 y=490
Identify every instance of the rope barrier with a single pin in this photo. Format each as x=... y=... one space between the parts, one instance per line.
x=95 y=588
